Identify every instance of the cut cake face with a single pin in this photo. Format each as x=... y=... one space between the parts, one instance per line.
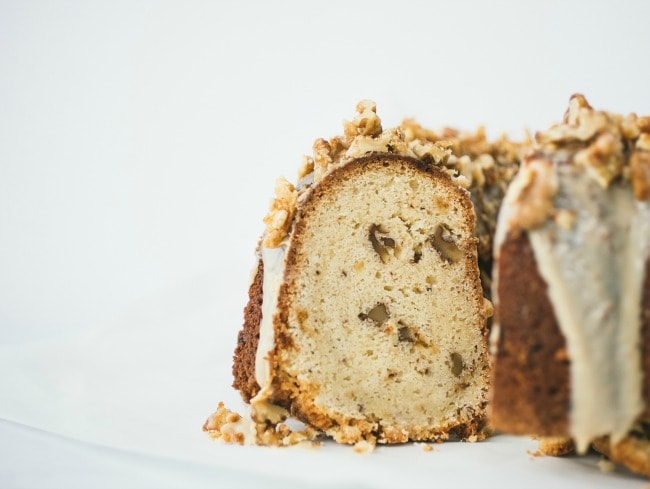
x=380 y=326
x=367 y=319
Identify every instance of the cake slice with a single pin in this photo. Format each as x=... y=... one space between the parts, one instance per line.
x=366 y=318
x=572 y=286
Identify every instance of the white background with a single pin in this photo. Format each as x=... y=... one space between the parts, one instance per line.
x=139 y=145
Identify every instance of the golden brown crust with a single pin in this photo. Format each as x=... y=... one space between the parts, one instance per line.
x=243 y=368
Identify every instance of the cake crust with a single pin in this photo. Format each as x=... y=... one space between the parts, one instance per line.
x=531 y=391
x=243 y=367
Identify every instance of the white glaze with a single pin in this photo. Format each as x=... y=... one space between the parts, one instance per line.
x=274 y=265
x=594 y=273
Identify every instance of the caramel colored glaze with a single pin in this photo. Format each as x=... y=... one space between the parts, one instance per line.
x=531 y=393
x=531 y=383
x=243 y=368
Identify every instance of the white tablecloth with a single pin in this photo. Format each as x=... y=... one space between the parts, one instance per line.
x=139 y=144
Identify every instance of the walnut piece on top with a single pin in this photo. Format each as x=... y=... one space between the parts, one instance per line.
x=608 y=146
x=468 y=158
x=279 y=218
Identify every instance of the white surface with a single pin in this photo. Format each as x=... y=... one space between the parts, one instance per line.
x=139 y=145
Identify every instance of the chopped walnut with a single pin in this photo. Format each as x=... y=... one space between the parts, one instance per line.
x=603 y=158
x=306 y=168
x=640 y=174
x=643 y=143
x=280 y=216
x=581 y=124
x=366 y=123
x=600 y=142
x=228 y=426
x=536 y=184
x=468 y=158
x=322 y=157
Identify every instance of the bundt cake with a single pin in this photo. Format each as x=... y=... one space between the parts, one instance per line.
x=572 y=289
x=366 y=317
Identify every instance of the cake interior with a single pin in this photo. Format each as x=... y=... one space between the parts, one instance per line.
x=385 y=319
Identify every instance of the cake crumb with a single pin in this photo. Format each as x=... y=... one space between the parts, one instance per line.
x=232 y=428
x=364 y=446
x=606 y=465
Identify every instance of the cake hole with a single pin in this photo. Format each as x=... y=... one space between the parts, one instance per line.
x=414 y=185
x=456 y=364
x=430 y=280
x=394 y=376
x=378 y=314
x=443 y=242
x=388 y=287
x=408 y=224
x=417 y=253
x=359 y=266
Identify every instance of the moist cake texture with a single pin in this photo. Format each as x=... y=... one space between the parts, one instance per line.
x=367 y=318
